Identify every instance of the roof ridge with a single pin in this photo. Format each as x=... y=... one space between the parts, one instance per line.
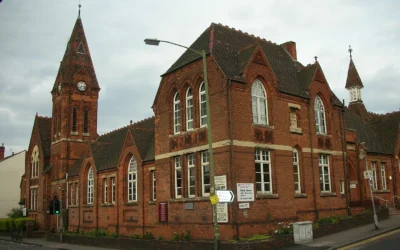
x=245 y=33
x=145 y=119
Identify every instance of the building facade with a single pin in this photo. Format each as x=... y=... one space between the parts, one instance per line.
x=282 y=142
x=11 y=170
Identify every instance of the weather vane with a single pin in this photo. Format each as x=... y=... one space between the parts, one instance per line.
x=79 y=5
x=316 y=58
x=350 y=50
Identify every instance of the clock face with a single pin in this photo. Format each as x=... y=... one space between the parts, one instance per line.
x=81 y=86
x=59 y=87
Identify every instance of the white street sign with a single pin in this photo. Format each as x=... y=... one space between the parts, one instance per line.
x=367 y=174
x=244 y=205
x=225 y=196
x=245 y=192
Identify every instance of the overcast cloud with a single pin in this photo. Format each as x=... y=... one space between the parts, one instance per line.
x=34 y=34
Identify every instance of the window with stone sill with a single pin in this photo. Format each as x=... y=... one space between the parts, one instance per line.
x=112 y=189
x=191 y=175
x=263 y=171
x=320 y=118
x=105 y=191
x=132 y=180
x=154 y=184
x=296 y=171
x=259 y=103
x=90 y=188
x=324 y=173
x=342 y=187
x=205 y=174
x=189 y=110
x=178 y=177
x=383 y=176
x=177 y=113
x=203 y=105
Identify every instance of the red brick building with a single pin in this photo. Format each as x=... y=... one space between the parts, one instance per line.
x=277 y=130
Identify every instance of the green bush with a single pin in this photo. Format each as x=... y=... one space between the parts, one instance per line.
x=6 y=224
x=115 y=235
x=15 y=213
x=329 y=220
x=134 y=236
x=21 y=222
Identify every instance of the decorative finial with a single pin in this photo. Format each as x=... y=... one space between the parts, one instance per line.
x=79 y=13
x=316 y=58
x=350 y=50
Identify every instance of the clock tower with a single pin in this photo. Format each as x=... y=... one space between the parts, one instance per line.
x=75 y=96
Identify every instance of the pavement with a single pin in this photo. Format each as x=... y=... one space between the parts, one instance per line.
x=332 y=241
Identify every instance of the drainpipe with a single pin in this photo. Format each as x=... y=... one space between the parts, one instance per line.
x=312 y=161
x=232 y=163
x=66 y=196
x=344 y=159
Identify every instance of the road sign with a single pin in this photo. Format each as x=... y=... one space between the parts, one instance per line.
x=367 y=174
x=225 y=196
x=214 y=199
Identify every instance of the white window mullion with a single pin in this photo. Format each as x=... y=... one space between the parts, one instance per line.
x=177 y=114
x=205 y=173
x=189 y=110
x=296 y=171
x=324 y=173
x=154 y=194
x=203 y=105
x=383 y=176
x=90 y=186
x=132 y=180
x=191 y=176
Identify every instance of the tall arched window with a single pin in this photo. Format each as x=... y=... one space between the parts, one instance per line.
x=319 y=115
x=177 y=114
x=90 y=189
x=203 y=106
x=189 y=109
x=74 y=119
x=86 y=121
x=132 y=180
x=259 y=103
x=35 y=162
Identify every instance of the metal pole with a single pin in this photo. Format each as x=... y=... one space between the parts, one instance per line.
x=210 y=151
x=373 y=205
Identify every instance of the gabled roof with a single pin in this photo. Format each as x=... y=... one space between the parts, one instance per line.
x=10 y=156
x=353 y=78
x=232 y=49
x=77 y=56
x=143 y=135
x=44 y=127
x=75 y=169
x=379 y=132
x=107 y=148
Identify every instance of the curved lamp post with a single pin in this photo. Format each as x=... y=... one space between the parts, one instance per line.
x=156 y=42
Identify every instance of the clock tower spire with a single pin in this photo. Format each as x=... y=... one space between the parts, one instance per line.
x=75 y=96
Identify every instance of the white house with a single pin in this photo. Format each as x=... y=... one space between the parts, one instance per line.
x=11 y=170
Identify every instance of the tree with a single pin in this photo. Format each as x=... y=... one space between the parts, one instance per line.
x=15 y=213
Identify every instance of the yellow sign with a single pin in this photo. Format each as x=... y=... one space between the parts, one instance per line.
x=214 y=199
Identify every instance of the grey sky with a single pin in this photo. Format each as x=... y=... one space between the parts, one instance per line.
x=34 y=34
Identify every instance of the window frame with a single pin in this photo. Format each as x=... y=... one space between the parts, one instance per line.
x=178 y=180
x=177 y=113
x=132 y=179
x=189 y=110
x=296 y=166
x=263 y=158
x=205 y=165
x=86 y=121
x=105 y=190
x=72 y=200
x=74 y=120
x=320 y=116
x=342 y=187
x=203 y=105
x=383 y=176
x=322 y=165
x=90 y=186
x=154 y=186
x=191 y=175
x=113 y=190
x=257 y=101
x=77 y=194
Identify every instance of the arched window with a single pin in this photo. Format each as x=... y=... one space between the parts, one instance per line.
x=203 y=106
x=90 y=189
x=132 y=180
x=259 y=103
x=86 y=121
x=189 y=110
x=35 y=162
x=319 y=115
x=177 y=114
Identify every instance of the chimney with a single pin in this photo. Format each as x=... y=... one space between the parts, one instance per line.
x=290 y=47
x=2 y=149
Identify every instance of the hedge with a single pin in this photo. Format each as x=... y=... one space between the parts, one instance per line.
x=9 y=224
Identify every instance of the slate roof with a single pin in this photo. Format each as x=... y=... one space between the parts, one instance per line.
x=107 y=148
x=353 y=78
x=232 y=49
x=44 y=126
x=379 y=132
x=143 y=135
x=75 y=169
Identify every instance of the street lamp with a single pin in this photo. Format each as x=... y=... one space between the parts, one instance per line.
x=202 y=53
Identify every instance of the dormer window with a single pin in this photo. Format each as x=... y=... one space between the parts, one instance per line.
x=259 y=103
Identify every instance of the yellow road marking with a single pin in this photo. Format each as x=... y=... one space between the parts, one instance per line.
x=370 y=239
